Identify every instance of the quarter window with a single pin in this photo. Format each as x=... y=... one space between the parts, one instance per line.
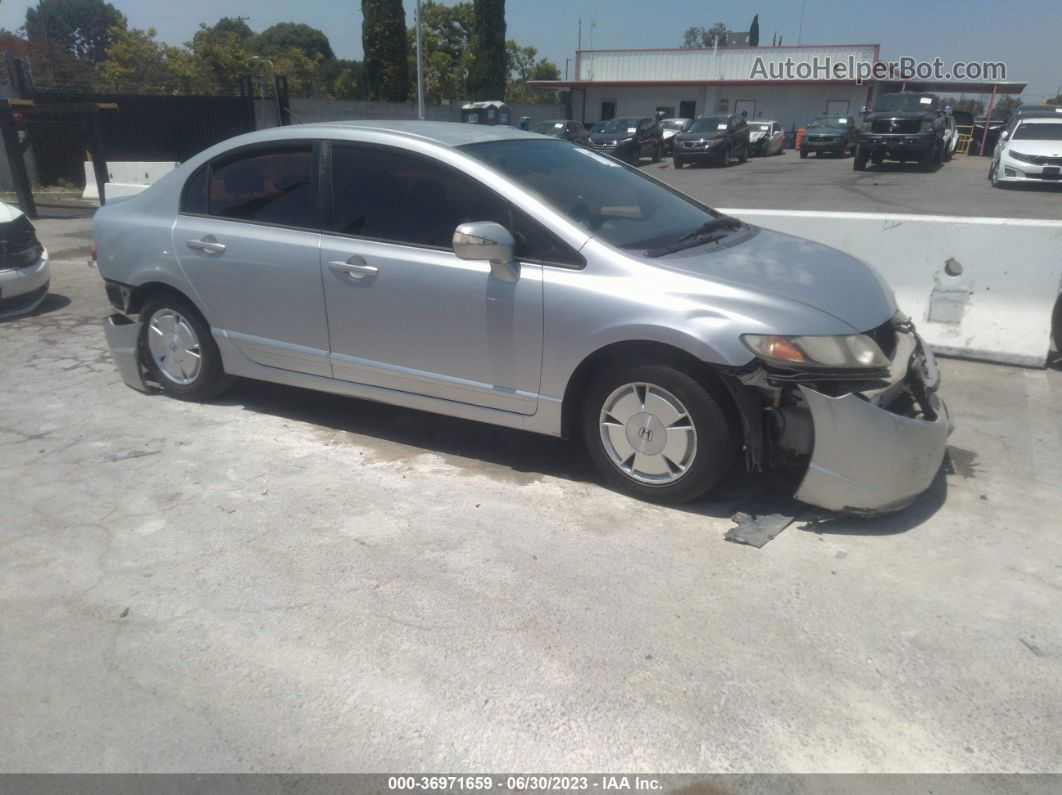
x=273 y=186
x=401 y=198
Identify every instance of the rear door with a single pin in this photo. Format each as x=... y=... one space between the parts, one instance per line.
x=404 y=312
x=247 y=237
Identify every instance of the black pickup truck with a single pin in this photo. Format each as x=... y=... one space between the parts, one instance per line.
x=903 y=126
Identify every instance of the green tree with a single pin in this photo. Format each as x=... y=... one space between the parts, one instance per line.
x=383 y=38
x=523 y=66
x=341 y=78
x=217 y=59
x=754 y=33
x=486 y=78
x=234 y=25
x=704 y=37
x=286 y=35
x=446 y=33
x=82 y=28
x=1054 y=100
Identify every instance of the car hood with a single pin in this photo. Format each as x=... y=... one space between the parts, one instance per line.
x=911 y=115
x=796 y=269
x=8 y=213
x=1028 y=146
x=709 y=135
x=610 y=138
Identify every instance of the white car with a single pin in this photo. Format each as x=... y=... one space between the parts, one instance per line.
x=766 y=137
x=24 y=270
x=1031 y=152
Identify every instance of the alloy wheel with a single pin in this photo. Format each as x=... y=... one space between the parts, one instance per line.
x=174 y=346
x=648 y=434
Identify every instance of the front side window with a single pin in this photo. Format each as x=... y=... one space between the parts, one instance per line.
x=401 y=198
x=606 y=198
x=272 y=185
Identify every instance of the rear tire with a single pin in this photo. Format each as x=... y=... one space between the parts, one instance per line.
x=178 y=350
x=744 y=156
x=803 y=154
x=860 y=161
x=679 y=162
x=687 y=443
x=658 y=153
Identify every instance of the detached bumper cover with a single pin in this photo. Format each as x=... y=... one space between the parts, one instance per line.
x=123 y=335
x=867 y=459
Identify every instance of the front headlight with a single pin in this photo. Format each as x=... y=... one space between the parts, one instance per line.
x=865 y=127
x=927 y=126
x=1023 y=157
x=853 y=350
x=626 y=141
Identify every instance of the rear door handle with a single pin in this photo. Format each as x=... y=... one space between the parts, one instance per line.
x=208 y=244
x=356 y=267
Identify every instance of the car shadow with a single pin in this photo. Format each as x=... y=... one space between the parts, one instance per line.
x=522 y=454
x=900 y=168
x=51 y=303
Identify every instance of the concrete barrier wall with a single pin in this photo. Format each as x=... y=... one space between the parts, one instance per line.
x=125 y=178
x=980 y=288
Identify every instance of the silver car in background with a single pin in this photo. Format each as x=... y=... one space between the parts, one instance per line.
x=505 y=277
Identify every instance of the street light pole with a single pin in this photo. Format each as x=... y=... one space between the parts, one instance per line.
x=261 y=81
x=420 y=69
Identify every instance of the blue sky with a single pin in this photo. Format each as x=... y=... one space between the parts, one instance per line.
x=1022 y=33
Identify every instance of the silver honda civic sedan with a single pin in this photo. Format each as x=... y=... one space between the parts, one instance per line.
x=501 y=276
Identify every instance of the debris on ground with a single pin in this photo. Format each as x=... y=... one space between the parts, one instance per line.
x=761 y=519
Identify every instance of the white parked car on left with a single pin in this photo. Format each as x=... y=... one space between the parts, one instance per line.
x=24 y=270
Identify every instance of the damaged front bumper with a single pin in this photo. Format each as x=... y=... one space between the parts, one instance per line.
x=877 y=450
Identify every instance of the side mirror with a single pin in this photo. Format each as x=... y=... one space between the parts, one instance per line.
x=1004 y=135
x=486 y=240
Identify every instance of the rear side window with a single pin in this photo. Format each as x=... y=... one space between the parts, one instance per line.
x=272 y=186
x=396 y=197
x=194 y=197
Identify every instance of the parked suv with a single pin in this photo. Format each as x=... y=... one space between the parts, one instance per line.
x=836 y=135
x=904 y=126
x=713 y=138
x=629 y=138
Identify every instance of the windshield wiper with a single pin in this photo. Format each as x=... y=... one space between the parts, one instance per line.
x=705 y=233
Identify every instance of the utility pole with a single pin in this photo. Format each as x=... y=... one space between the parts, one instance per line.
x=800 y=32
x=420 y=69
x=581 y=36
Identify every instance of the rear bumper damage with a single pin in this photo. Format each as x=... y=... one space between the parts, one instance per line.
x=868 y=446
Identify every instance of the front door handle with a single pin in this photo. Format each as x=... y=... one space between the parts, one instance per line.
x=208 y=245
x=355 y=267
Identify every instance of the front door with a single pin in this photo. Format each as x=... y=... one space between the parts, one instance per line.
x=404 y=312
x=247 y=239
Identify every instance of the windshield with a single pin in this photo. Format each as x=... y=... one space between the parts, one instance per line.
x=709 y=123
x=674 y=124
x=610 y=200
x=550 y=127
x=618 y=126
x=830 y=121
x=1031 y=131
x=905 y=102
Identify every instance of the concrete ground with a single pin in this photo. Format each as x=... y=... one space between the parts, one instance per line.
x=785 y=182
x=287 y=581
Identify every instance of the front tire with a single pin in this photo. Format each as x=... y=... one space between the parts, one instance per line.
x=860 y=161
x=178 y=350
x=744 y=156
x=803 y=154
x=679 y=162
x=658 y=153
x=656 y=433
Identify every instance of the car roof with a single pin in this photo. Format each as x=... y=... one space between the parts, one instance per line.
x=1041 y=119
x=447 y=133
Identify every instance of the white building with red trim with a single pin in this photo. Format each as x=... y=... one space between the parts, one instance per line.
x=787 y=84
